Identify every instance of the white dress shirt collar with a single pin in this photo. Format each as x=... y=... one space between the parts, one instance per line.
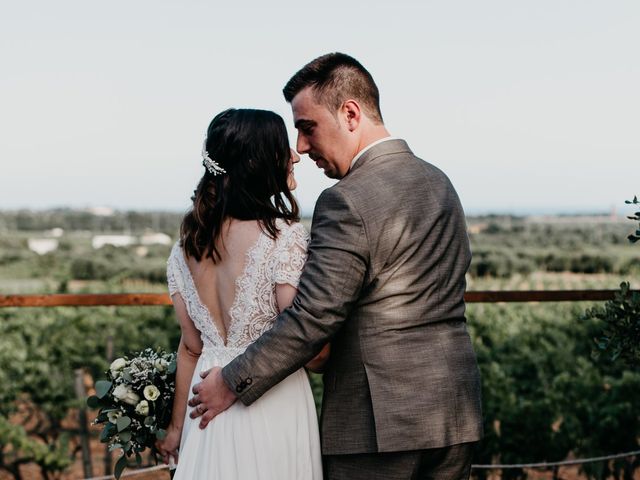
x=371 y=145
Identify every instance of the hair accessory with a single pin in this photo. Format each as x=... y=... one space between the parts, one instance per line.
x=210 y=164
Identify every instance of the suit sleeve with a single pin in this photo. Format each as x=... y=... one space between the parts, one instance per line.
x=329 y=287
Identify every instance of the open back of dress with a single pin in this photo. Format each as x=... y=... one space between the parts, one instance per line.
x=276 y=438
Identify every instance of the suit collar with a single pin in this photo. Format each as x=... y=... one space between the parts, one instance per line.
x=387 y=147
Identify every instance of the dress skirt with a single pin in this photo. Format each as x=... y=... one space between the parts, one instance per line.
x=275 y=438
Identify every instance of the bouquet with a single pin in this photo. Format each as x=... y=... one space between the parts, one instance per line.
x=135 y=403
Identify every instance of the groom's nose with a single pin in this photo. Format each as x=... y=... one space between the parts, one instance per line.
x=302 y=145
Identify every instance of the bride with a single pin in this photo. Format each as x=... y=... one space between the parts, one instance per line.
x=235 y=267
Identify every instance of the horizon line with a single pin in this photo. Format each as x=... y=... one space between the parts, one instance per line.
x=477 y=211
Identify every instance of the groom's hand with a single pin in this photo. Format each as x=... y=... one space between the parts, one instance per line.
x=211 y=396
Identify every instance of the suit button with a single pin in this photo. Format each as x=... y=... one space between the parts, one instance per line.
x=249 y=381
x=238 y=389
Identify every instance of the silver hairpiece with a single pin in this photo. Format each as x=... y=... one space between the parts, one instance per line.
x=210 y=164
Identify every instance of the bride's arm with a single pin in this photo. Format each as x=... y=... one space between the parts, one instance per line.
x=189 y=351
x=285 y=294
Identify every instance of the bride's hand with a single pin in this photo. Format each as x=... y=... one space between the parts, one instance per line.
x=168 y=446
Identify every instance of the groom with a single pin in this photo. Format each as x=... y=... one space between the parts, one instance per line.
x=384 y=283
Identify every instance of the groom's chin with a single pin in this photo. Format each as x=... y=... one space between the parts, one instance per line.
x=331 y=173
x=334 y=175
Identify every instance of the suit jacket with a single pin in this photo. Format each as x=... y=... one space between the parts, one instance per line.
x=384 y=282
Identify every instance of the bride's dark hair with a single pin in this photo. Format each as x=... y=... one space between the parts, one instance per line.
x=253 y=148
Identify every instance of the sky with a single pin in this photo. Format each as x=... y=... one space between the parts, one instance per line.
x=529 y=107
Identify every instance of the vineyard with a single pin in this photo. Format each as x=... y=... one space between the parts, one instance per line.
x=547 y=395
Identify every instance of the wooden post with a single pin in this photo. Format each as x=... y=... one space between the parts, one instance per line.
x=81 y=394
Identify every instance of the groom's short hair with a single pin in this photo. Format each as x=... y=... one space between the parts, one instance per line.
x=334 y=78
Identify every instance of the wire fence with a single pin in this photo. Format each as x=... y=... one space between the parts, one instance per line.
x=562 y=463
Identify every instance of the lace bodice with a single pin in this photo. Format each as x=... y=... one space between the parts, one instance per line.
x=254 y=308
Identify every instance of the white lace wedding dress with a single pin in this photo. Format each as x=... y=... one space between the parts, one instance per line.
x=275 y=438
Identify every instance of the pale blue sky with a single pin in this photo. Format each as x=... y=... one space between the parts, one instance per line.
x=525 y=105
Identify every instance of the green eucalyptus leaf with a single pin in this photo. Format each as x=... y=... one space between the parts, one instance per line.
x=122 y=423
x=125 y=437
x=93 y=402
x=120 y=466
x=107 y=432
x=161 y=434
x=102 y=388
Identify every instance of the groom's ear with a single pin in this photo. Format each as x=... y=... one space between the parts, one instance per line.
x=352 y=114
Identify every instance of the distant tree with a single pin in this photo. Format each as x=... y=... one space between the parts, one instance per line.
x=636 y=216
x=621 y=335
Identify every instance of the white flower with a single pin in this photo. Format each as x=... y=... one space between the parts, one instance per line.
x=117 y=365
x=151 y=392
x=142 y=408
x=161 y=364
x=113 y=416
x=120 y=391
x=126 y=394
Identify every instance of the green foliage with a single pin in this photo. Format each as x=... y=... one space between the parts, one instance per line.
x=39 y=351
x=636 y=216
x=315 y=379
x=621 y=335
x=117 y=263
x=506 y=246
x=19 y=447
x=543 y=395
x=491 y=262
x=621 y=317
x=77 y=220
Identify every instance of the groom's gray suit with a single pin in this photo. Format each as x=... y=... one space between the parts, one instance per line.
x=384 y=282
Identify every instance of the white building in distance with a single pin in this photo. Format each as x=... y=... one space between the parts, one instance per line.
x=42 y=245
x=100 y=241
x=152 y=238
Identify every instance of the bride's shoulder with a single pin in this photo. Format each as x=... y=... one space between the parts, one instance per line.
x=176 y=252
x=293 y=229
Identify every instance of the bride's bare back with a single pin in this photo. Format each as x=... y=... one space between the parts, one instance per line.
x=232 y=302
x=216 y=282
